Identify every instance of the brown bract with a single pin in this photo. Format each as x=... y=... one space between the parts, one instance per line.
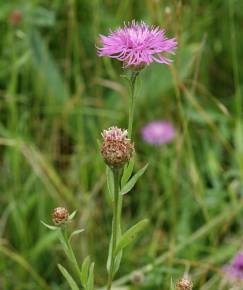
x=60 y=215
x=184 y=284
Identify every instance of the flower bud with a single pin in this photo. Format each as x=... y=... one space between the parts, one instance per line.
x=137 y=278
x=184 y=284
x=60 y=215
x=116 y=149
x=15 y=17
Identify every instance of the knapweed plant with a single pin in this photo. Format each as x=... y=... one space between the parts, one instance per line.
x=136 y=45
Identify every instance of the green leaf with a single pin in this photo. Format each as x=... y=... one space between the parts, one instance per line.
x=118 y=254
x=127 y=187
x=108 y=263
x=172 y=287
x=72 y=215
x=127 y=172
x=90 y=283
x=110 y=182
x=68 y=277
x=75 y=233
x=53 y=228
x=117 y=261
x=85 y=271
x=130 y=235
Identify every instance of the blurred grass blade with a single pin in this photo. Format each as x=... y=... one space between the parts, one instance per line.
x=48 y=69
x=25 y=265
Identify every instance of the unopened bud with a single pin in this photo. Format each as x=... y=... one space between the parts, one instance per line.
x=60 y=215
x=15 y=17
x=116 y=149
x=184 y=284
x=137 y=277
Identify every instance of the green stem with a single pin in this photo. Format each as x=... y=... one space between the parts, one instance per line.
x=133 y=79
x=115 y=225
x=69 y=251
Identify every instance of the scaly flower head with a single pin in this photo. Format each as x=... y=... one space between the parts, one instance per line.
x=184 y=284
x=158 y=132
x=116 y=149
x=60 y=215
x=137 y=45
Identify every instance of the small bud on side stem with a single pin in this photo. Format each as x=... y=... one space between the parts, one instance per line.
x=60 y=216
x=15 y=18
x=184 y=284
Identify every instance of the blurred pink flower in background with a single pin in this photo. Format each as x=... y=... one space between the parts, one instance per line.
x=158 y=132
x=235 y=269
x=137 y=44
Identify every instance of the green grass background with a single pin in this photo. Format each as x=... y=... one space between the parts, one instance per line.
x=56 y=96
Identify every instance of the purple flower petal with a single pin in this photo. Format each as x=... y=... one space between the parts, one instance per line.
x=137 y=44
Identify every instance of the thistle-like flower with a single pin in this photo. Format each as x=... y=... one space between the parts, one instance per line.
x=184 y=284
x=116 y=148
x=60 y=215
x=137 y=45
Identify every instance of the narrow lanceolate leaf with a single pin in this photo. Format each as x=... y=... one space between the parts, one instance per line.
x=85 y=271
x=68 y=277
x=172 y=287
x=75 y=233
x=130 y=235
x=117 y=262
x=53 y=228
x=127 y=171
x=72 y=215
x=127 y=187
x=118 y=254
x=108 y=263
x=110 y=182
x=90 y=283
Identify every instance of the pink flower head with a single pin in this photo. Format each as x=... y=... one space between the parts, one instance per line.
x=137 y=44
x=235 y=269
x=158 y=133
